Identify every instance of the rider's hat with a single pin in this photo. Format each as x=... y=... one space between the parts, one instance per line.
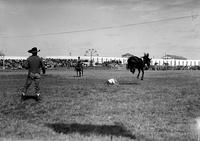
x=33 y=50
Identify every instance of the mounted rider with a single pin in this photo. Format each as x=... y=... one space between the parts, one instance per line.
x=79 y=67
x=79 y=62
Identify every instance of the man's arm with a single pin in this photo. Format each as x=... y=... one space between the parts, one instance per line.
x=43 y=67
x=26 y=64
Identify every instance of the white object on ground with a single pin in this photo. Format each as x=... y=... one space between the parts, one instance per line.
x=112 y=81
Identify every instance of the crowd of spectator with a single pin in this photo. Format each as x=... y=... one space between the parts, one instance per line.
x=166 y=67
x=51 y=63
x=11 y=64
x=55 y=63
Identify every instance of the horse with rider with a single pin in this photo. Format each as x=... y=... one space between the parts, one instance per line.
x=79 y=67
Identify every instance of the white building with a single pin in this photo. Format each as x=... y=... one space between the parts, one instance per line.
x=174 y=62
x=99 y=59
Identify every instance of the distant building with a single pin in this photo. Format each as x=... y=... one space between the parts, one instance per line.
x=175 y=57
x=174 y=60
x=127 y=55
x=171 y=60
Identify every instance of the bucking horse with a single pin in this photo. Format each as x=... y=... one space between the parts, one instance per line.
x=135 y=62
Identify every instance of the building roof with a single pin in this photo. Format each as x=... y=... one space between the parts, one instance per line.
x=174 y=57
x=126 y=55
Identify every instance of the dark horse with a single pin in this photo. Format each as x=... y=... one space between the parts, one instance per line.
x=79 y=69
x=135 y=62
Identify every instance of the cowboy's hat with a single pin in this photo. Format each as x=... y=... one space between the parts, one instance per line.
x=33 y=50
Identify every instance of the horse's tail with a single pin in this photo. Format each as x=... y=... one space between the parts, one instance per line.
x=127 y=66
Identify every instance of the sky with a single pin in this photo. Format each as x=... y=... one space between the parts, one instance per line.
x=111 y=27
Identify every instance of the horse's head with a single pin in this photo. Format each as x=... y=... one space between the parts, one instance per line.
x=147 y=60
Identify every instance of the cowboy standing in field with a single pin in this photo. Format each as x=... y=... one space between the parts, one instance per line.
x=34 y=64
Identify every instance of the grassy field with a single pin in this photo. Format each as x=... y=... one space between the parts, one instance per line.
x=162 y=107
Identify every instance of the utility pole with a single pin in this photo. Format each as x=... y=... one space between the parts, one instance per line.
x=3 y=57
x=91 y=52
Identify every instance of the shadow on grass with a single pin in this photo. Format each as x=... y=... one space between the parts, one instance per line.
x=29 y=97
x=87 y=129
x=129 y=83
x=76 y=76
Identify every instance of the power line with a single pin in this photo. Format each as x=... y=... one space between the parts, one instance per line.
x=102 y=28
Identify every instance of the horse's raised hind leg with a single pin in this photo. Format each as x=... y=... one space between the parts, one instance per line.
x=138 y=73
x=133 y=70
x=142 y=74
